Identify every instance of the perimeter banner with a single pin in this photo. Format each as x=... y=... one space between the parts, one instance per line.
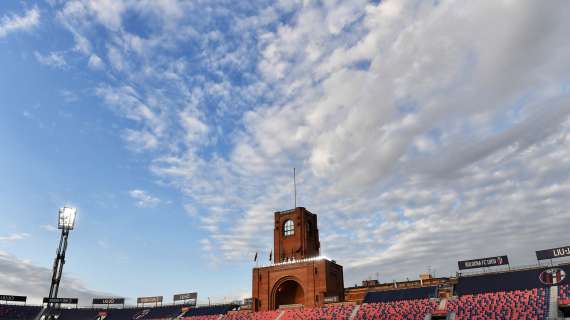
x=109 y=301
x=62 y=300
x=483 y=262
x=186 y=296
x=13 y=298
x=149 y=299
x=553 y=253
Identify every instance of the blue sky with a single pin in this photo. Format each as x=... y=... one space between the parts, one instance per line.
x=174 y=126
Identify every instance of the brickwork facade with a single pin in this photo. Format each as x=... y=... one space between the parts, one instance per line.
x=299 y=275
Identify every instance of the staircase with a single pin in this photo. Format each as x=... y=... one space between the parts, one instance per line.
x=39 y=316
x=354 y=312
x=280 y=315
x=442 y=304
x=553 y=303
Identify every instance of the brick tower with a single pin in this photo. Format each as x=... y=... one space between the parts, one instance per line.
x=296 y=235
x=299 y=275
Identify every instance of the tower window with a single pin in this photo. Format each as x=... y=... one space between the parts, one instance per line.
x=289 y=228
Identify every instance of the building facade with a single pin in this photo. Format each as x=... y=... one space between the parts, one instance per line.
x=299 y=275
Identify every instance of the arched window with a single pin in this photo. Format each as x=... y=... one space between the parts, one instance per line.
x=289 y=228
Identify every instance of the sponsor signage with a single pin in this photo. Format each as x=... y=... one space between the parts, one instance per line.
x=248 y=301
x=332 y=299
x=552 y=276
x=13 y=298
x=186 y=296
x=483 y=262
x=109 y=301
x=553 y=253
x=149 y=299
x=61 y=300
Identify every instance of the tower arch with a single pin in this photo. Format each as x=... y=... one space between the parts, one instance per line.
x=287 y=290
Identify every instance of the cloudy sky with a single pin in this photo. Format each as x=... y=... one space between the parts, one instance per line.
x=423 y=132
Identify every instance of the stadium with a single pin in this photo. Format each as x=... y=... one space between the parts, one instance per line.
x=302 y=284
x=284 y=159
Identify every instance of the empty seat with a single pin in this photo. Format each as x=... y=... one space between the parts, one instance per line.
x=517 y=304
x=396 y=310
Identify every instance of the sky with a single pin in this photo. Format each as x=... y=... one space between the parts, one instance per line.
x=422 y=133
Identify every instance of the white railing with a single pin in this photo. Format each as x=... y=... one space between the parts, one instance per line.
x=292 y=261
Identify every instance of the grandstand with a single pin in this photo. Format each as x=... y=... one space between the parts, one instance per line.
x=514 y=294
x=303 y=285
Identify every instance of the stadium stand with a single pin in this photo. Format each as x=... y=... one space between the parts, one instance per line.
x=564 y=292
x=264 y=315
x=502 y=281
x=402 y=294
x=208 y=311
x=18 y=312
x=215 y=317
x=497 y=282
x=397 y=310
x=77 y=314
x=333 y=312
x=517 y=304
x=161 y=312
x=513 y=294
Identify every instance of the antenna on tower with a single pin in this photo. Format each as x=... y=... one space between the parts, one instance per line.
x=295 y=187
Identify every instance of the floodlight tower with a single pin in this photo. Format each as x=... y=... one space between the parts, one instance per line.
x=66 y=223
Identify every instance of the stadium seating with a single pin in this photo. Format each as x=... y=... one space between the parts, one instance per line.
x=215 y=317
x=399 y=295
x=396 y=310
x=208 y=311
x=517 y=304
x=162 y=312
x=338 y=312
x=265 y=315
x=77 y=314
x=18 y=312
x=498 y=282
x=564 y=292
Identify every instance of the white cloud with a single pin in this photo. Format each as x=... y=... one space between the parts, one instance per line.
x=144 y=200
x=53 y=59
x=95 y=62
x=140 y=140
x=15 y=237
x=355 y=132
x=116 y=58
x=49 y=228
x=415 y=125
x=108 y=12
x=12 y=23
x=69 y=96
x=146 y=110
x=20 y=277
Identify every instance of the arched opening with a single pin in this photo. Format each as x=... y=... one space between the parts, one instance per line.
x=289 y=292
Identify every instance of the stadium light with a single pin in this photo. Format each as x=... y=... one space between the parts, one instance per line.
x=67 y=218
x=66 y=223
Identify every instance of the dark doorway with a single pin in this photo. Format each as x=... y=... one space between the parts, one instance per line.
x=289 y=292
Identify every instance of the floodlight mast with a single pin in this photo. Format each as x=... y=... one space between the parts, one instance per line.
x=66 y=222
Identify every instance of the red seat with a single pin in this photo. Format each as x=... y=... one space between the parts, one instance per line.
x=518 y=304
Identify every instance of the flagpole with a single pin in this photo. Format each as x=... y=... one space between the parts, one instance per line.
x=295 y=187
